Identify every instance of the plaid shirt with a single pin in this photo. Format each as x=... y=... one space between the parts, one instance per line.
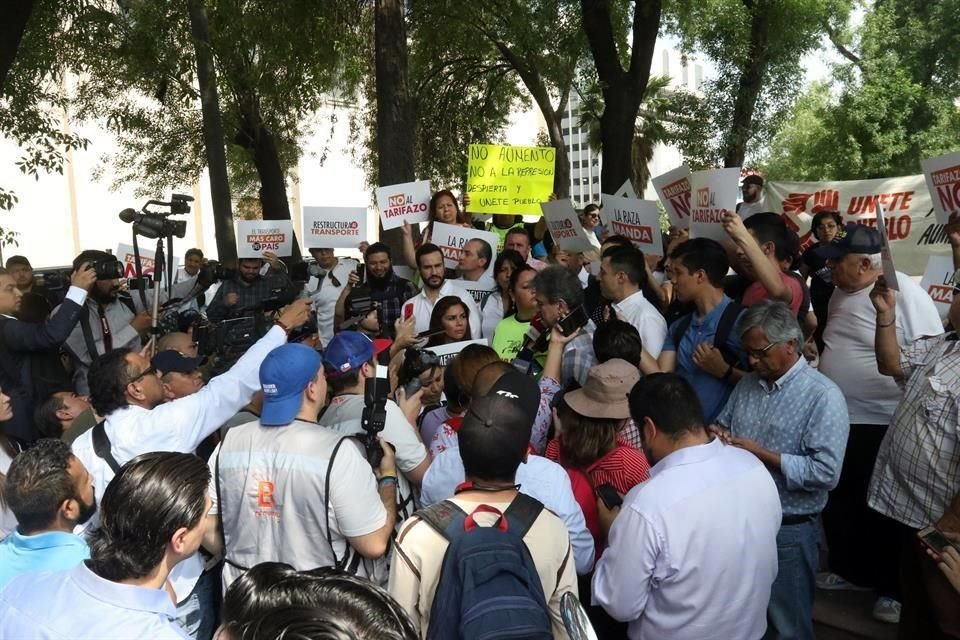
x=390 y=294
x=578 y=357
x=917 y=472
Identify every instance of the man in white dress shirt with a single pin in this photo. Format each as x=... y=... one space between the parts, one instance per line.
x=622 y=276
x=436 y=286
x=693 y=551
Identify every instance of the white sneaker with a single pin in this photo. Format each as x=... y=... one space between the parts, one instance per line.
x=887 y=610
x=833 y=582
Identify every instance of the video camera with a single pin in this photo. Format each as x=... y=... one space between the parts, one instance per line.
x=155 y=224
x=416 y=362
x=357 y=309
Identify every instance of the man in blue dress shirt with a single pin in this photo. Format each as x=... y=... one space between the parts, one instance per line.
x=152 y=516
x=50 y=492
x=794 y=419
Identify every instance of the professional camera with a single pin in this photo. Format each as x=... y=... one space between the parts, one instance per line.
x=357 y=309
x=374 y=417
x=108 y=268
x=303 y=271
x=155 y=224
x=213 y=271
x=416 y=362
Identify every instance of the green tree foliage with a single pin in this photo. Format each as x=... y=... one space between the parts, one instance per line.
x=756 y=47
x=892 y=104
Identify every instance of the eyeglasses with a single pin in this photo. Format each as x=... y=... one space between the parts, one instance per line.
x=152 y=371
x=761 y=353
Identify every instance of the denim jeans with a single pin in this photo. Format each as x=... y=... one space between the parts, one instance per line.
x=790 y=612
x=197 y=615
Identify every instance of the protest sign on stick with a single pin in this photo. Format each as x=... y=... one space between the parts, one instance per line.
x=452 y=238
x=334 y=227
x=505 y=179
x=886 y=258
x=565 y=227
x=673 y=189
x=406 y=202
x=638 y=220
x=713 y=191
x=943 y=182
x=254 y=237
x=938 y=282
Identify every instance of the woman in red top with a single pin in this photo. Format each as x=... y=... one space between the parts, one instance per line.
x=587 y=444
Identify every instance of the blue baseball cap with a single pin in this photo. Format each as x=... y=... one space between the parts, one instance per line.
x=284 y=374
x=348 y=351
x=853 y=238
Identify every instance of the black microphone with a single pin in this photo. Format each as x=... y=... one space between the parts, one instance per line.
x=129 y=215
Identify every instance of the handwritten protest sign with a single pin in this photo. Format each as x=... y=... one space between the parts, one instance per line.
x=625 y=191
x=334 y=227
x=714 y=191
x=886 y=258
x=504 y=179
x=673 y=189
x=408 y=202
x=564 y=225
x=938 y=282
x=125 y=255
x=254 y=237
x=446 y=352
x=638 y=220
x=943 y=182
x=452 y=238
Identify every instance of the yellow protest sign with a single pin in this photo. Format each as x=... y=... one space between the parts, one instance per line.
x=504 y=179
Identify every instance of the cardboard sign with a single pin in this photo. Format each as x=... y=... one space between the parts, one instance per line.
x=943 y=182
x=334 y=227
x=625 y=191
x=565 y=227
x=479 y=291
x=408 y=202
x=504 y=179
x=446 y=352
x=913 y=231
x=638 y=220
x=452 y=238
x=674 y=189
x=125 y=255
x=713 y=192
x=886 y=258
x=938 y=282
x=254 y=237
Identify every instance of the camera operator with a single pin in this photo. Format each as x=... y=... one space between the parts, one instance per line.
x=350 y=360
x=248 y=289
x=384 y=287
x=110 y=319
x=127 y=391
x=19 y=339
x=363 y=316
x=326 y=287
x=38 y=301
x=186 y=277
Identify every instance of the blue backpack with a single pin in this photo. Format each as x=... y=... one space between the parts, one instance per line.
x=489 y=586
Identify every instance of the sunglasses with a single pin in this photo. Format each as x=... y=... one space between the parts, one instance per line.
x=152 y=371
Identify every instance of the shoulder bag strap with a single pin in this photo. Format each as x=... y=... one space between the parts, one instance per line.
x=101 y=446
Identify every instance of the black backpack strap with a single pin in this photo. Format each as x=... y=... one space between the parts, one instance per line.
x=728 y=321
x=351 y=559
x=680 y=330
x=522 y=513
x=441 y=515
x=88 y=335
x=101 y=446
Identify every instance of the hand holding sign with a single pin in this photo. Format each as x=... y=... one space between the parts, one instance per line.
x=886 y=258
x=733 y=225
x=884 y=300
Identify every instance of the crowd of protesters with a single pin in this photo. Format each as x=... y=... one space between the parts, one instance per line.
x=677 y=441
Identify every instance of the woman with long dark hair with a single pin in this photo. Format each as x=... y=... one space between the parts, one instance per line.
x=500 y=303
x=443 y=208
x=452 y=317
x=508 y=336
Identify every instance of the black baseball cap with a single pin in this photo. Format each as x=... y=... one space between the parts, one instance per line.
x=513 y=399
x=853 y=238
x=172 y=361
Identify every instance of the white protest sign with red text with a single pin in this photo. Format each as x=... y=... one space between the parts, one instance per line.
x=943 y=182
x=254 y=237
x=125 y=255
x=674 y=190
x=912 y=229
x=407 y=202
x=886 y=258
x=938 y=282
x=446 y=352
x=451 y=239
x=714 y=191
x=565 y=227
x=334 y=227
x=638 y=220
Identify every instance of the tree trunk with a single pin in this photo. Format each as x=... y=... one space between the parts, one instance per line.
x=213 y=136
x=395 y=119
x=561 y=175
x=622 y=89
x=749 y=86
x=15 y=18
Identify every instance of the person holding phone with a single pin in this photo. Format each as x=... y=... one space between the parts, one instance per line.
x=560 y=303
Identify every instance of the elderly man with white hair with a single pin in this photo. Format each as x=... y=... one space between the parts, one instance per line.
x=864 y=546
